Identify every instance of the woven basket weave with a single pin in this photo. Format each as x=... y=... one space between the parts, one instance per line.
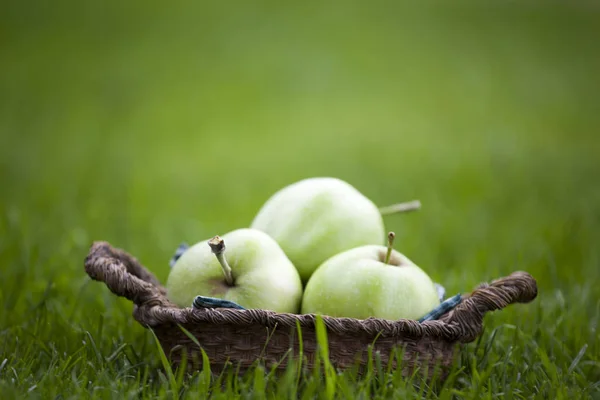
x=241 y=337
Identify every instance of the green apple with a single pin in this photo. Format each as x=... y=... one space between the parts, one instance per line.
x=316 y=218
x=370 y=281
x=254 y=272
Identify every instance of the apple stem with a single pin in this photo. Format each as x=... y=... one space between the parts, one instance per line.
x=391 y=237
x=400 y=207
x=217 y=245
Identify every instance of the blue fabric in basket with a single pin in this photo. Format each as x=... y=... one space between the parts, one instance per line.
x=442 y=309
x=213 y=302
x=178 y=253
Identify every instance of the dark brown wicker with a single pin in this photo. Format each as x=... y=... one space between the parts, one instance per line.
x=241 y=337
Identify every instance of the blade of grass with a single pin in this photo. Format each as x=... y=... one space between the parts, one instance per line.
x=206 y=368
x=166 y=366
x=322 y=341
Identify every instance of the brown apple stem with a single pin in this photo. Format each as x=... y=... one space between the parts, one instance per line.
x=217 y=245
x=391 y=237
x=400 y=207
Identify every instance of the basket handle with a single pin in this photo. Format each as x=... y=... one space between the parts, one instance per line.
x=124 y=275
x=519 y=287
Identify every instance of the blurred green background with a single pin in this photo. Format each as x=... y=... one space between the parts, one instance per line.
x=148 y=124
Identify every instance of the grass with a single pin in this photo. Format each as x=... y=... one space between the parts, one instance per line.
x=146 y=126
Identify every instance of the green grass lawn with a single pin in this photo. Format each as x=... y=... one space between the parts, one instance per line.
x=148 y=125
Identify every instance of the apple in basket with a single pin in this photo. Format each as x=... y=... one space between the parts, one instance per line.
x=316 y=218
x=253 y=272
x=370 y=281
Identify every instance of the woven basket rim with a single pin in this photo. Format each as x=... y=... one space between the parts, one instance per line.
x=126 y=277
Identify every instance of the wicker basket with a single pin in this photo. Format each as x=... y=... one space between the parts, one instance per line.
x=241 y=337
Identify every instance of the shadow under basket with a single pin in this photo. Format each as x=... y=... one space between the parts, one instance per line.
x=240 y=338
